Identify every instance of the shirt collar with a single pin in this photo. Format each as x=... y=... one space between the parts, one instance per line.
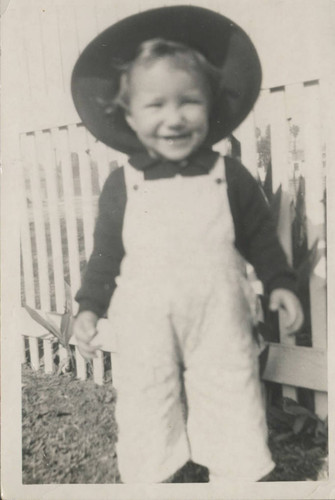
x=199 y=163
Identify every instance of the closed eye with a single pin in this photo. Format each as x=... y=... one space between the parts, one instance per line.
x=154 y=104
x=193 y=100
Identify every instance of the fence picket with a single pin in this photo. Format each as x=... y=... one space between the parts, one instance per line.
x=98 y=158
x=63 y=155
x=80 y=365
x=246 y=135
x=315 y=212
x=62 y=353
x=48 y=356
x=34 y=354
x=23 y=350
x=279 y=160
x=294 y=97
x=26 y=248
x=261 y=109
x=98 y=368
x=78 y=145
x=47 y=158
x=279 y=138
x=29 y=156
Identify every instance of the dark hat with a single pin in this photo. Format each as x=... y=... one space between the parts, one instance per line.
x=95 y=78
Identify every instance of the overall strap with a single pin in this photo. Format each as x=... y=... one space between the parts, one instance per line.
x=132 y=177
x=218 y=172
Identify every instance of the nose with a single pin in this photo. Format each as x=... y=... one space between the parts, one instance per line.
x=174 y=117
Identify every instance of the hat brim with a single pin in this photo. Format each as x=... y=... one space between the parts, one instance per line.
x=95 y=78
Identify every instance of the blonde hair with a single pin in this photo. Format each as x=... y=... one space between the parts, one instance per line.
x=181 y=55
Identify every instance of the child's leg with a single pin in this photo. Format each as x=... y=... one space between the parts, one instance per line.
x=226 y=425
x=227 y=434
x=152 y=442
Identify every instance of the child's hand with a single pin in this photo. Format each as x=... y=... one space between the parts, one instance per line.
x=289 y=302
x=85 y=329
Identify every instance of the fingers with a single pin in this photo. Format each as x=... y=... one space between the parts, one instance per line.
x=85 y=330
x=88 y=351
x=285 y=300
x=294 y=316
x=291 y=313
x=296 y=321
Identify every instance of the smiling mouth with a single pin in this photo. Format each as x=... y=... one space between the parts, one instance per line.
x=172 y=139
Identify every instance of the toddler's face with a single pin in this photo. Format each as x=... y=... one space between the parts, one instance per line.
x=168 y=109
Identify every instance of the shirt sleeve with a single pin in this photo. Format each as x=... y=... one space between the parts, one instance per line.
x=255 y=230
x=103 y=266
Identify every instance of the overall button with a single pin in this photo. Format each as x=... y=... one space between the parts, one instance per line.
x=135 y=187
x=219 y=181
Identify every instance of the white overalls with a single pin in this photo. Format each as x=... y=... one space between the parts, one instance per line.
x=183 y=321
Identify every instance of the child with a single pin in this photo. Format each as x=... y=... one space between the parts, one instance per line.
x=173 y=226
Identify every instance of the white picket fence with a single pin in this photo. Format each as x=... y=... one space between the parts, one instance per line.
x=63 y=169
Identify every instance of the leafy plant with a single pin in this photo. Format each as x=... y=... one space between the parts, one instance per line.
x=264 y=146
x=63 y=333
x=305 y=259
x=295 y=420
x=275 y=205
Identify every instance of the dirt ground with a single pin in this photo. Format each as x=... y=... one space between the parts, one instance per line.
x=69 y=435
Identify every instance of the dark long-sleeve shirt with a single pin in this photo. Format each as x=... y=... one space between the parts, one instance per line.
x=255 y=232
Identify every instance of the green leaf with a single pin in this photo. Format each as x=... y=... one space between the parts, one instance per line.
x=51 y=322
x=283 y=436
x=70 y=329
x=63 y=365
x=293 y=408
x=277 y=414
x=66 y=327
x=275 y=205
x=299 y=423
x=64 y=323
x=320 y=429
x=40 y=320
x=306 y=268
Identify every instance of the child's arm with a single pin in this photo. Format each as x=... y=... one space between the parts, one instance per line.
x=257 y=240
x=255 y=231
x=104 y=264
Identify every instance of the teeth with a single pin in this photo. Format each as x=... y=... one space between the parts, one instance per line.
x=177 y=138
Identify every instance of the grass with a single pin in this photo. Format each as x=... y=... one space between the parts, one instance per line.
x=69 y=435
x=68 y=430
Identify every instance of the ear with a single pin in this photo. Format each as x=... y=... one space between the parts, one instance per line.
x=130 y=120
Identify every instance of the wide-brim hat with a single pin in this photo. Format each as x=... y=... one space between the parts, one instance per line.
x=95 y=78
